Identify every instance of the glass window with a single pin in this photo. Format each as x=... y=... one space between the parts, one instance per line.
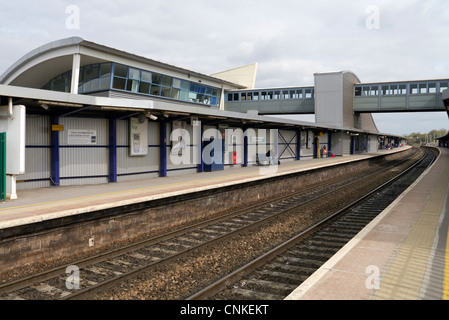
x=176 y=83
x=216 y=92
x=174 y=93
x=132 y=85
x=134 y=74
x=300 y=94
x=86 y=87
x=309 y=93
x=155 y=90
x=193 y=96
x=105 y=83
x=105 y=69
x=249 y=96
x=200 y=98
x=423 y=88
x=256 y=96
x=413 y=88
x=95 y=71
x=184 y=95
x=243 y=96
x=402 y=89
x=86 y=74
x=385 y=90
x=95 y=84
x=146 y=76
x=394 y=89
x=230 y=95
x=366 y=91
x=185 y=85
x=144 y=87
x=119 y=83
x=166 y=81
x=209 y=91
x=432 y=87
x=443 y=86
x=165 y=92
x=277 y=95
x=120 y=70
x=156 y=78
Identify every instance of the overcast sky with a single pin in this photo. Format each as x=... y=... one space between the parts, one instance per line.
x=290 y=39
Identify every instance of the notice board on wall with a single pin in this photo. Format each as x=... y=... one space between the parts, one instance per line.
x=138 y=137
x=82 y=137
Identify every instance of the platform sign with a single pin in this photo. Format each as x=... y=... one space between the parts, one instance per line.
x=57 y=127
x=138 y=137
x=82 y=137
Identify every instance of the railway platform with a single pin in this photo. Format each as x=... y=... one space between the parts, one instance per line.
x=402 y=255
x=37 y=205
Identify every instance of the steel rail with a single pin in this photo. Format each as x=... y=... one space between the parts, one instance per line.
x=242 y=271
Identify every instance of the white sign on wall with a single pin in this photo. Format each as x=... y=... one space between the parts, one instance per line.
x=138 y=137
x=14 y=127
x=82 y=137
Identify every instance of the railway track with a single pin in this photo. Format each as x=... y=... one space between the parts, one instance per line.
x=106 y=270
x=277 y=273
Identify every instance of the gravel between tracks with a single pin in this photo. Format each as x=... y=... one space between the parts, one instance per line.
x=184 y=277
x=190 y=274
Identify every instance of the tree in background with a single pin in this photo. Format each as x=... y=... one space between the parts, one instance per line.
x=425 y=138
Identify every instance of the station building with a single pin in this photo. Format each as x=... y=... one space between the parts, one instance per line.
x=76 y=112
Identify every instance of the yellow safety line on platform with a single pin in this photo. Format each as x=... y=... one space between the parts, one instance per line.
x=121 y=192
x=132 y=190
x=286 y=169
x=446 y=272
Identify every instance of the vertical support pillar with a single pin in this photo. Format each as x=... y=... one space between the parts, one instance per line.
x=3 y=166
x=245 y=147
x=201 y=148
x=329 y=141
x=163 y=149
x=112 y=150
x=298 y=144
x=54 y=156
x=75 y=73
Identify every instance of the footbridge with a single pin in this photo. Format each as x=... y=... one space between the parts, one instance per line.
x=404 y=96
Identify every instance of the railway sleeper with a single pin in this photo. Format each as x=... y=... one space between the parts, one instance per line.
x=324 y=255
x=254 y=295
x=315 y=249
x=301 y=262
x=265 y=285
x=283 y=277
x=338 y=234
x=328 y=241
x=345 y=227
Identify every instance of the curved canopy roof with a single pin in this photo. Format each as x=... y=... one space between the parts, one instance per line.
x=40 y=65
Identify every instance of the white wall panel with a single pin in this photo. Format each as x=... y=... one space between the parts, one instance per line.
x=37 y=153
x=84 y=164
x=136 y=164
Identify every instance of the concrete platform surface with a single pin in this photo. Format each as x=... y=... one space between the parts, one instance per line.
x=41 y=204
